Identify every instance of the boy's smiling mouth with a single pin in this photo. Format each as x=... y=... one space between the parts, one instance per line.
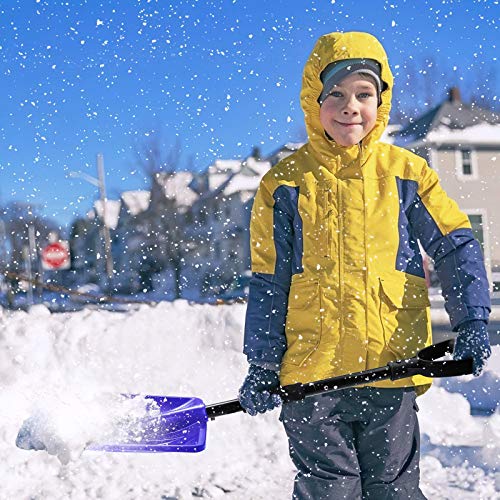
x=349 y=124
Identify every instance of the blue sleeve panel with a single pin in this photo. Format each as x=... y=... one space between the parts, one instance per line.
x=265 y=339
x=408 y=258
x=287 y=207
x=459 y=263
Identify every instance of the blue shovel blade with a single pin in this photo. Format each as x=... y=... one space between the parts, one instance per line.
x=176 y=424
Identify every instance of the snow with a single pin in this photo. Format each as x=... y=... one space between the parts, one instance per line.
x=176 y=186
x=216 y=180
x=239 y=176
x=225 y=166
x=241 y=183
x=112 y=211
x=256 y=167
x=476 y=135
x=66 y=371
x=482 y=133
x=136 y=201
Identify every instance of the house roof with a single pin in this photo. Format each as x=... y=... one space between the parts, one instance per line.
x=388 y=134
x=224 y=166
x=229 y=176
x=252 y=167
x=136 y=202
x=176 y=186
x=241 y=182
x=112 y=212
x=451 y=115
x=283 y=151
x=480 y=134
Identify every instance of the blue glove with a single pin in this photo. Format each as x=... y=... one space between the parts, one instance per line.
x=473 y=342
x=28 y=438
x=254 y=395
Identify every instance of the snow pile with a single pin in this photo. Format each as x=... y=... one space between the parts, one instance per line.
x=66 y=424
x=62 y=376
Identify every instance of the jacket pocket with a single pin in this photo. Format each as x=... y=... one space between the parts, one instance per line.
x=303 y=322
x=404 y=314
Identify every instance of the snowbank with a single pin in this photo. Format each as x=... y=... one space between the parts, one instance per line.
x=66 y=370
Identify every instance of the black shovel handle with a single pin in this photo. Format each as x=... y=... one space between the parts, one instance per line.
x=424 y=363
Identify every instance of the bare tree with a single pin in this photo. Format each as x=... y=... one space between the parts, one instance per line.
x=17 y=220
x=425 y=82
x=17 y=217
x=164 y=225
x=153 y=156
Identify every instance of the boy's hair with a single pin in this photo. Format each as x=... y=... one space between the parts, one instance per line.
x=337 y=71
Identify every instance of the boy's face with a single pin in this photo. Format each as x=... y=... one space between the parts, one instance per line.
x=350 y=111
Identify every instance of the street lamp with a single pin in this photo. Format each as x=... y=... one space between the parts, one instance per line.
x=99 y=183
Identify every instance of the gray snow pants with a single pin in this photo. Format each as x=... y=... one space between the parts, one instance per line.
x=355 y=444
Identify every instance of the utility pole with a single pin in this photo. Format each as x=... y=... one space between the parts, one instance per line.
x=105 y=228
x=32 y=254
x=3 y=248
x=4 y=266
x=99 y=182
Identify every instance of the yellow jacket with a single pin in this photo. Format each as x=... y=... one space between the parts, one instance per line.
x=338 y=283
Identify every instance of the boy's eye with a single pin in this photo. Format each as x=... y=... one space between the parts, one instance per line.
x=361 y=95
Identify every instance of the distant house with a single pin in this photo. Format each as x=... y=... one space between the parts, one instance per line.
x=133 y=203
x=172 y=186
x=219 y=233
x=462 y=143
x=283 y=152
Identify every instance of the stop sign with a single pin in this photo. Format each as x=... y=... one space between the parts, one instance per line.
x=55 y=256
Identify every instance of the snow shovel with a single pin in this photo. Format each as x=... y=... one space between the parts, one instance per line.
x=179 y=424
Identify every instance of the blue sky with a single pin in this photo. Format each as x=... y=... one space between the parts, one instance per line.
x=83 y=77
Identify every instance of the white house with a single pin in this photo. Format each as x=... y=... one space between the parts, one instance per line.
x=462 y=143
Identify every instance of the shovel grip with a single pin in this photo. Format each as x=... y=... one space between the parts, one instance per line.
x=426 y=363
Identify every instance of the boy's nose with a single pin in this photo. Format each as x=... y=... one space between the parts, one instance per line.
x=350 y=107
x=350 y=110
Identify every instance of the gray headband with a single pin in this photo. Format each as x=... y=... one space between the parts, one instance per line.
x=336 y=71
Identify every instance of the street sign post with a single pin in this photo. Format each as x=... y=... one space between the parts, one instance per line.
x=55 y=256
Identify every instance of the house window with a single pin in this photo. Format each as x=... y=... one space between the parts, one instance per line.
x=478 y=219
x=466 y=164
x=476 y=222
x=495 y=277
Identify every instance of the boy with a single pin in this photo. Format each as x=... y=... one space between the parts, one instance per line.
x=338 y=283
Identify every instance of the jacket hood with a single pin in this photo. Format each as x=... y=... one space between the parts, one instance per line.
x=335 y=47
